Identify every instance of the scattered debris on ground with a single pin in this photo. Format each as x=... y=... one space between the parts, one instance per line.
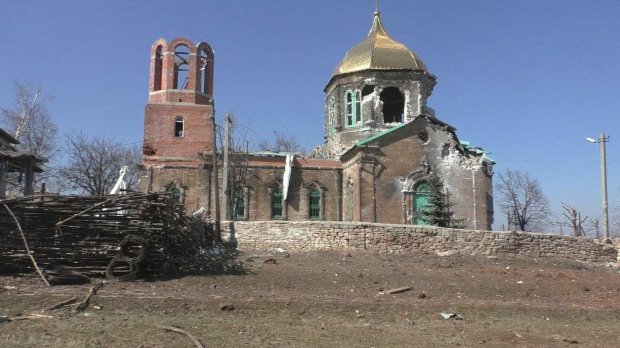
x=451 y=316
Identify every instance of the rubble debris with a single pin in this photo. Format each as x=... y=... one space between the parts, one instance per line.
x=271 y=261
x=454 y=316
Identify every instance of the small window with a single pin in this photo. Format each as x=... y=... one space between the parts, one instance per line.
x=315 y=204
x=276 y=204
x=179 y=130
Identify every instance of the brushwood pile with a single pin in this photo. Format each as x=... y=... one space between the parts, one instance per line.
x=122 y=237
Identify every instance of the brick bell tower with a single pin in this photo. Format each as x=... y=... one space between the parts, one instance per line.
x=178 y=122
x=178 y=118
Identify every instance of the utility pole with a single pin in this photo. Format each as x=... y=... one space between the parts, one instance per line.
x=225 y=186
x=215 y=188
x=602 y=140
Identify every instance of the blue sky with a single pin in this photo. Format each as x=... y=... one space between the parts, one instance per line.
x=527 y=80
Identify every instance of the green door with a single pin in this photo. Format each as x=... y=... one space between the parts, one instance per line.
x=420 y=203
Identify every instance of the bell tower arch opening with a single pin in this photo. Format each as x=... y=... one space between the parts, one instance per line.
x=204 y=73
x=181 y=67
x=393 y=105
x=157 y=68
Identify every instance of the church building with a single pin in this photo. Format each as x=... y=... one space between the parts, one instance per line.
x=382 y=142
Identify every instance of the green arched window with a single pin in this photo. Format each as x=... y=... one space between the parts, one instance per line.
x=353 y=108
x=315 y=204
x=420 y=202
x=276 y=203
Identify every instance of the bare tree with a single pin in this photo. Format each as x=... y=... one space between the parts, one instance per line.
x=30 y=123
x=94 y=163
x=522 y=200
x=238 y=145
x=595 y=226
x=575 y=221
x=280 y=143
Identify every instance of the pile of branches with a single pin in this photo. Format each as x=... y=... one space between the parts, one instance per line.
x=85 y=233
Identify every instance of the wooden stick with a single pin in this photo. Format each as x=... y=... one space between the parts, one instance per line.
x=84 y=211
x=93 y=291
x=63 y=303
x=30 y=316
x=181 y=331
x=34 y=262
x=395 y=291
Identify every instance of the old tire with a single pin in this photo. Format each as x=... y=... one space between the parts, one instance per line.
x=122 y=268
x=134 y=248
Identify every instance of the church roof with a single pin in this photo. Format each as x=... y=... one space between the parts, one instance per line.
x=379 y=52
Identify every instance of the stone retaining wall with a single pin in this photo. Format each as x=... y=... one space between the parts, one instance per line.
x=410 y=239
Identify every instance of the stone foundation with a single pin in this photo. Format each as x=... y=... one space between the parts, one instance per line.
x=385 y=238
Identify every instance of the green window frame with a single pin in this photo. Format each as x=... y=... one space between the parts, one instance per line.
x=277 y=207
x=331 y=116
x=315 y=204
x=353 y=108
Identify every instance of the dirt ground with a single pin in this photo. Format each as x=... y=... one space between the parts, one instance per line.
x=332 y=299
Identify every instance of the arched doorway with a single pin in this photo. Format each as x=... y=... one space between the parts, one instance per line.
x=419 y=202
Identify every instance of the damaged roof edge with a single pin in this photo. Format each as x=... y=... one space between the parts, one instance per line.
x=477 y=151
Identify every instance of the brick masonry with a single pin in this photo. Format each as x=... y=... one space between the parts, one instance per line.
x=384 y=238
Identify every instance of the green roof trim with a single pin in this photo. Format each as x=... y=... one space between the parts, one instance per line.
x=379 y=135
x=464 y=143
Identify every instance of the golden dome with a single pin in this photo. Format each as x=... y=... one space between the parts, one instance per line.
x=379 y=52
